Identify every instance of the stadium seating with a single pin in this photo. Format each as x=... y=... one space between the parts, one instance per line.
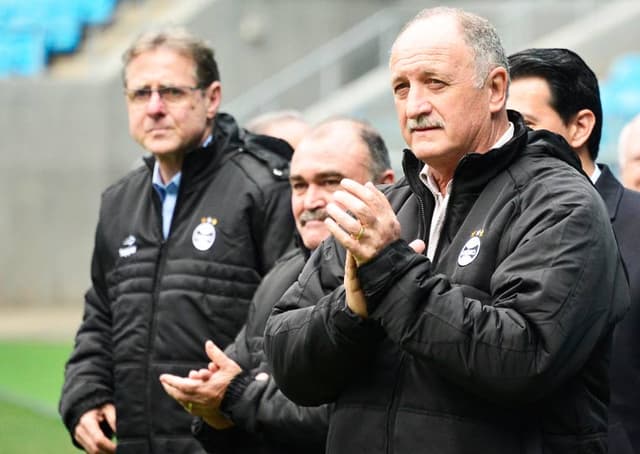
x=33 y=31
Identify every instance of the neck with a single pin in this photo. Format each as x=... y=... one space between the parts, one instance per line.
x=442 y=179
x=443 y=171
x=588 y=165
x=169 y=165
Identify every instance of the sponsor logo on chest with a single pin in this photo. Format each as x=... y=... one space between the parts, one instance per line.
x=128 y=247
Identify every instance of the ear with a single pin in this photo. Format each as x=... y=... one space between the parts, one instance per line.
x=497 y=83
x=387 y=177
x=580 y=128
x=213 y=95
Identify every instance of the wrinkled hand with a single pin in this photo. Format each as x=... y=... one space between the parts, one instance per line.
x=89 y=434
x=374 y=227
x=202 y=391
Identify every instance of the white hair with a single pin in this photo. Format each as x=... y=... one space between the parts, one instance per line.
x=478 y=33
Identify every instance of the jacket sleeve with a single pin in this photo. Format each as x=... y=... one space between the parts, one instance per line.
x=313 y=343
x=254 y=402
x=556 y=285
x=88 y=379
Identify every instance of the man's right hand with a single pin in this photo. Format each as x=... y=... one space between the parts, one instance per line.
x=89 y=434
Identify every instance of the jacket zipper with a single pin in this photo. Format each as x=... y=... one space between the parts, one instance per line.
x=159 y=270
x=422 y=230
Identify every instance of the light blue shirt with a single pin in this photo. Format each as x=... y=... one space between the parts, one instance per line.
x=168 y=193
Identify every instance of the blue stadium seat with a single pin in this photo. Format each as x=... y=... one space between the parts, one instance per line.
x=22 y=51
x=625 y=69
x=55 y=25
x=97 y=12
x=61 y=21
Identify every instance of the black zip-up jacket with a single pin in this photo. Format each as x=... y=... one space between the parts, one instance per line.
x=266 y=421
x=500 y=345
x=155 y=302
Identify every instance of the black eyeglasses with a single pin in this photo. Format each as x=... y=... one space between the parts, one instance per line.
x=169 y=94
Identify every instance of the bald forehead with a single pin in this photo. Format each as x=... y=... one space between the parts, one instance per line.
x=340 y=130
x=332 y=141
x=443 y=28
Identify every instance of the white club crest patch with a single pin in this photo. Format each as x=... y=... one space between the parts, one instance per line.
x=129 y=247
x=469 y=251
x=204 y=235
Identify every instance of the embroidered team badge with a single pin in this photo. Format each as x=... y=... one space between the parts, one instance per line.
x=471 y=249
x=204 y=234
x=128 y=247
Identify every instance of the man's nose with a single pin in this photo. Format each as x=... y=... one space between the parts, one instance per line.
x=418 y=102
x=315 y=197
x=155 y=104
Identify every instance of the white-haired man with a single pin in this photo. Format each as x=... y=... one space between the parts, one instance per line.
x=497 y=338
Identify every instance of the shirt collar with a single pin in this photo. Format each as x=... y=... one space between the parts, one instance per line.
x=156 y=180
x=507 y=136
x=426 y=176
x=596 y=174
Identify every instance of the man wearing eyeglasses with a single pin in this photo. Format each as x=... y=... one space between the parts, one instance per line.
x=180 y=247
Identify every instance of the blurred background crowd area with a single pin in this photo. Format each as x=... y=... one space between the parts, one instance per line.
x=64 y=129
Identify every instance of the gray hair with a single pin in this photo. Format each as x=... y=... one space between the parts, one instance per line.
x=479 y=35
x=380 y=161
x=182 y=42
x=378 y=152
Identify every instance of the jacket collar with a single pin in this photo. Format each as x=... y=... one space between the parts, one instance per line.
x=199 y=162
x=475 y=170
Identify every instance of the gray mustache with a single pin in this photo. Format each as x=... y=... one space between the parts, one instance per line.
x=313 y=215
x=423 y=122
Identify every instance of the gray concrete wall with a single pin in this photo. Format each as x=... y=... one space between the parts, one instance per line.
x=282 y=31
x=63 y=142
x=59 y=150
